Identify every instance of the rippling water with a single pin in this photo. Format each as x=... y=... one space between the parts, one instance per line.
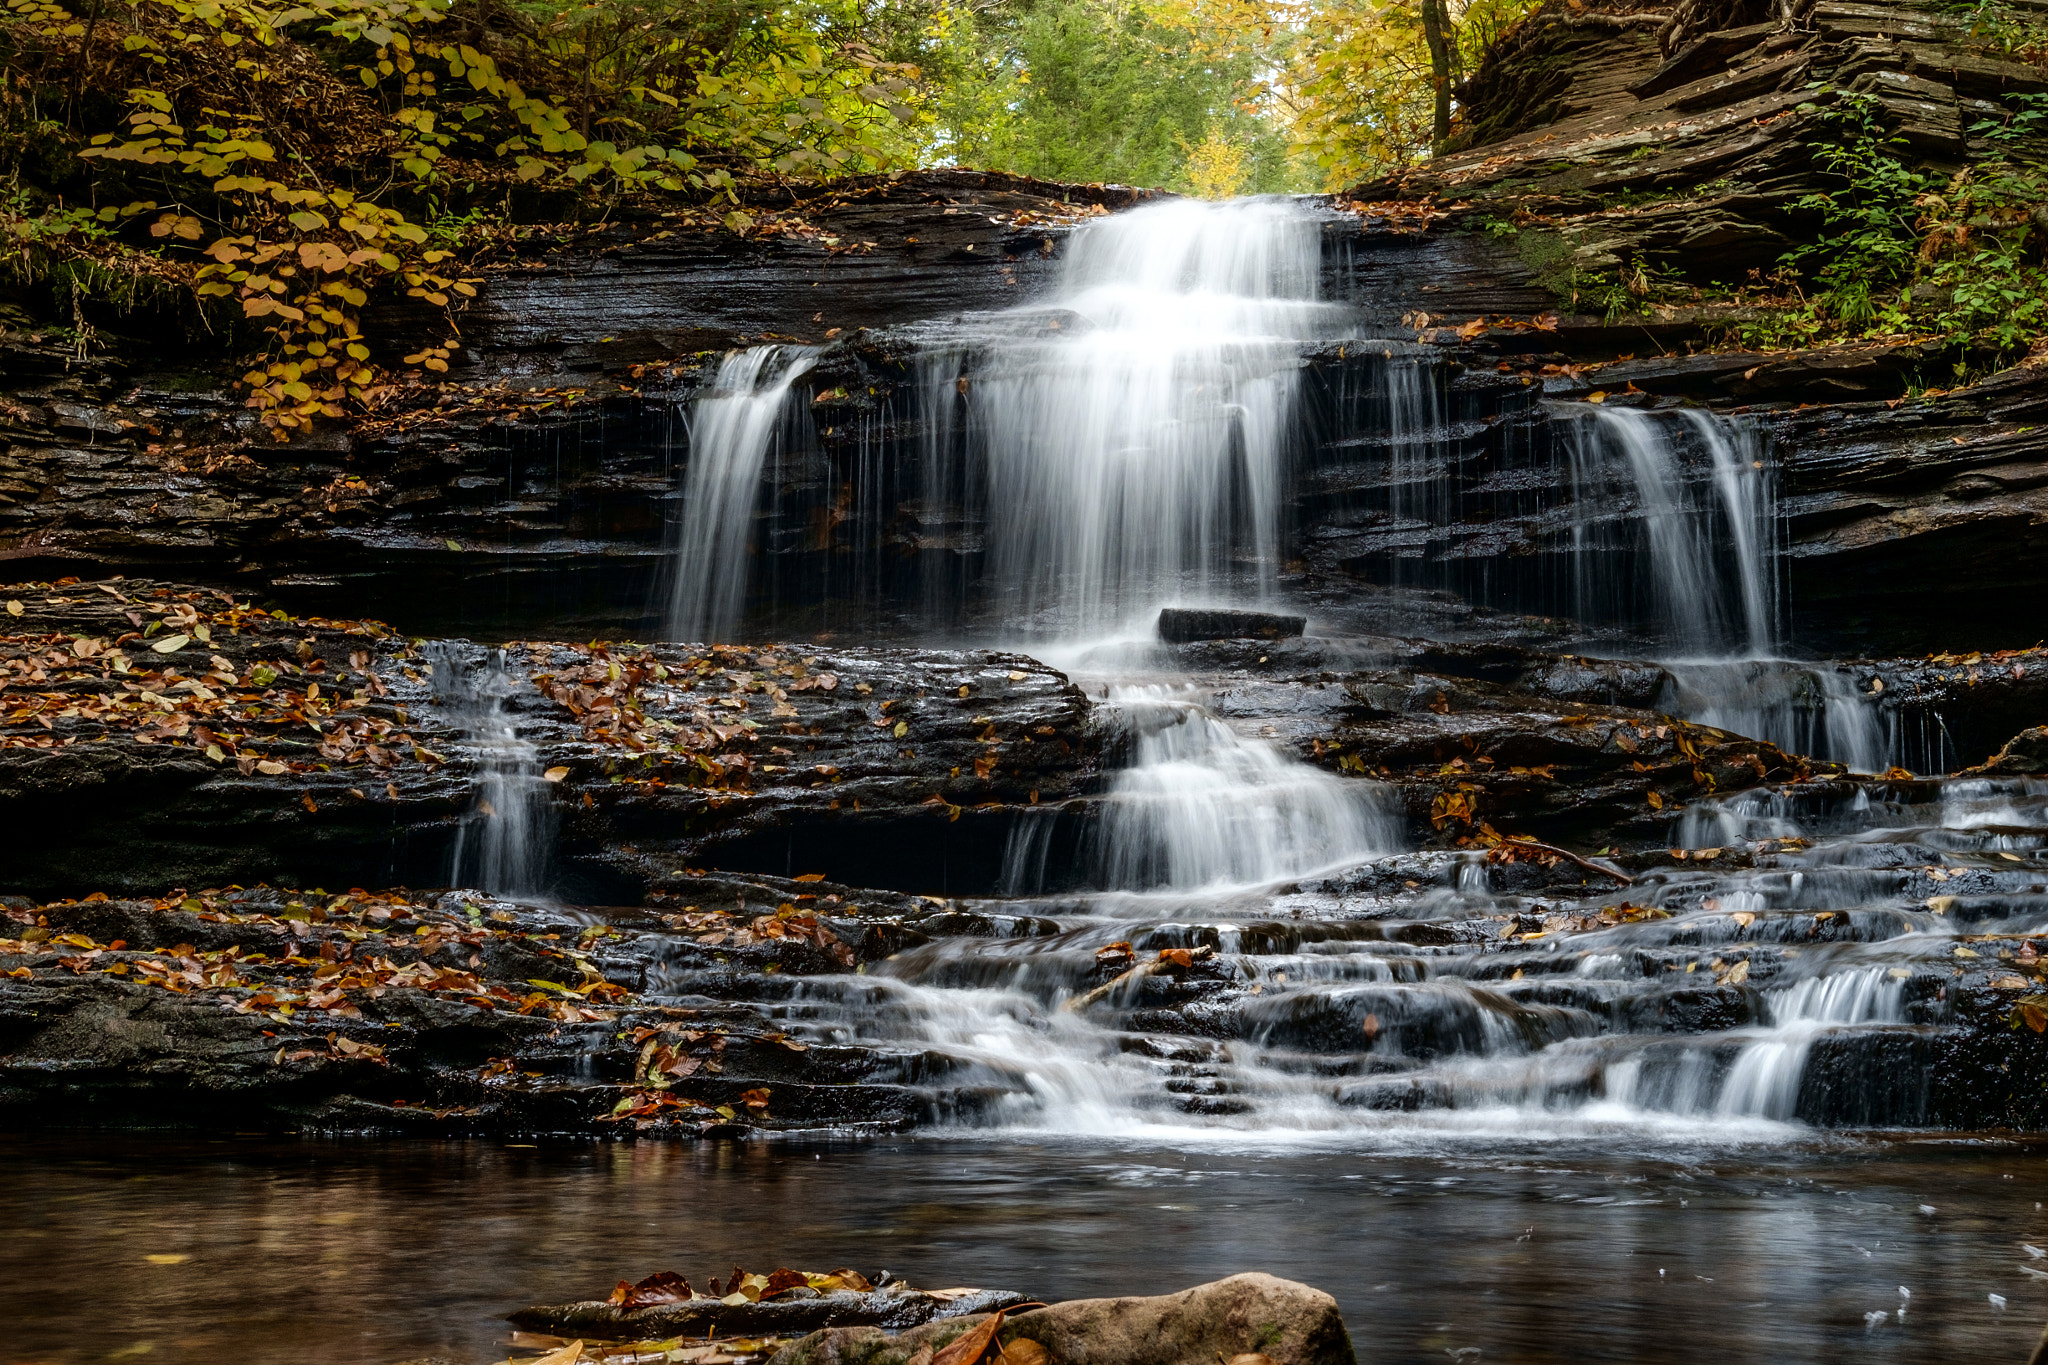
x=343 y=1252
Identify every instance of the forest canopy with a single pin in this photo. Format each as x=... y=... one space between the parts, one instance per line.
x=276 y=163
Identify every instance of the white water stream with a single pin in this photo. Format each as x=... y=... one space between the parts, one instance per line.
x=1131 y=434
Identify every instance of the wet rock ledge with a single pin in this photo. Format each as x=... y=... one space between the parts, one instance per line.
x=449 y=1013
x=153 y=734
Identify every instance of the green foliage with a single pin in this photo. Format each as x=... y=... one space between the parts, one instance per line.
x=277 y=157
x=1898 y=255
x=1867 y=242
x=1982 y=252
x=2029 y=119
x=1101 y=90
x=1361 y=86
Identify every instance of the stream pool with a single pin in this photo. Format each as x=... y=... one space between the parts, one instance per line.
x=357 y=1253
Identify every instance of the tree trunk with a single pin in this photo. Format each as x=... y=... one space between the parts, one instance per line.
x=1435 y=32
x=583 y=124
x=92 y=22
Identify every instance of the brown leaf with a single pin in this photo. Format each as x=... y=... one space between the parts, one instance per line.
x=970 y=1346
x=1179 y=957
x=782 y=1279
x=1025 y=1351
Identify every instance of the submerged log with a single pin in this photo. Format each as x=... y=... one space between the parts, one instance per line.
x=892 y=1306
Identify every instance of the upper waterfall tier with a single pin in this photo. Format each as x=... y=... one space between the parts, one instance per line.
x=1182 y=419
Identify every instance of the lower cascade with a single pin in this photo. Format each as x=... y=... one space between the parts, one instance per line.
x=503 y=839
x=1808 y=986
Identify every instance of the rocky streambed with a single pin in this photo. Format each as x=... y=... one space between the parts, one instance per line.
x=1567 y=900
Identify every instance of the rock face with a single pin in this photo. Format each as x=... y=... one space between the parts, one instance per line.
x=451 y=1014
x=1245 y=1315
x=315 y=751
x=1180 y=625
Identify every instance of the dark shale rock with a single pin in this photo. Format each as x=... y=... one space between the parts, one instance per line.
x=900 y=769
x=403 y=1013
x=2024 y=755
x=1181 y=625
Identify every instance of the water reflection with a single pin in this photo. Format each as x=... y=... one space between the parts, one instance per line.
x=351 y=1253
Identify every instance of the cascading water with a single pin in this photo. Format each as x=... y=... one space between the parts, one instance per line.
x=503 y=839
x=1129 y=439
x=732 y=427
x=1619 y=454
x=1710 y=531
x=1131 y=432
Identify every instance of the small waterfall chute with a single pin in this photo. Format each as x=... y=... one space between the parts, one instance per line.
x=732 y=427
x=504 y=841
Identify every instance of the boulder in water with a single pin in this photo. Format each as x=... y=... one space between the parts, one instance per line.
x=1281 y=1321
x=1183 y=625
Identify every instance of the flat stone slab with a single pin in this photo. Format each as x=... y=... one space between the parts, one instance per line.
x=1182 y=625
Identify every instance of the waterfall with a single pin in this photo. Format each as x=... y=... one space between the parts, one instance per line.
x=1710 y=542
x=503 y=840
x=732 y=425
x=1200 y=807
x=1230 y=941
x=1131 y=433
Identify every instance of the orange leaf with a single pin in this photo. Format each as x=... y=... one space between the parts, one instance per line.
x=972 y=1344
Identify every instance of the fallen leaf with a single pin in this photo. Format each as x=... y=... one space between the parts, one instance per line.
x=171 y=644
x=167 y=1258
x=972 y=1344
x=555 y=774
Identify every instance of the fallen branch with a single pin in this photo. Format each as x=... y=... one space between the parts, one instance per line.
x=1183 y=957
x=1552 y=850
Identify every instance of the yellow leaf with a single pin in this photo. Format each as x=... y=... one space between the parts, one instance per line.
x=1597 y=396
x=14 y=608
x=555 y=774
x=165 y=1258
x=902 y=729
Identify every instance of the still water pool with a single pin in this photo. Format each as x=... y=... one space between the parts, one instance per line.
x=349 y=1253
